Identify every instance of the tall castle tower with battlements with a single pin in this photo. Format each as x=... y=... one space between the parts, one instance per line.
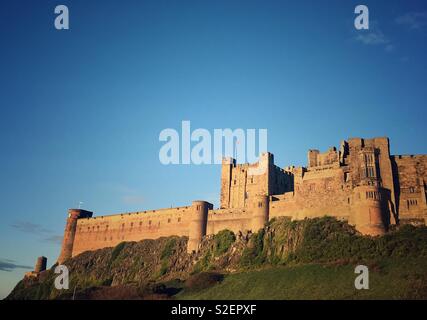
x=360 y=183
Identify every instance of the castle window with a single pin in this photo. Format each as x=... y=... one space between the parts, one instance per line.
x=169 y=220
x=370 y=172
x=149 y=222
x=179 y=219
x=411 y=189
x=123 y=225
x=411 y=202
x=234 y=182
x=140 y=223
x=131 y=225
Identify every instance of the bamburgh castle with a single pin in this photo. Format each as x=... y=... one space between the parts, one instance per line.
x=360 y=183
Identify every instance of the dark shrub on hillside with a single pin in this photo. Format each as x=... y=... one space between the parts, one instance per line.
x=168 y=249
x=254 y=254
x=117 y=250
x=223 y=241
x=203 y=280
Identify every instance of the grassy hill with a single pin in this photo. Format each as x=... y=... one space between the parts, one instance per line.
x=308 y=259
x=391 y=279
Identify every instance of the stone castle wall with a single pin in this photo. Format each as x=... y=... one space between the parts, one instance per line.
x=360 y=183
x=410 y=176
x=231 y=219
x=240 y=182
x=107 y=231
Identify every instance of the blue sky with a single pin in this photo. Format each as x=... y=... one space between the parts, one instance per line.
x=81 y=109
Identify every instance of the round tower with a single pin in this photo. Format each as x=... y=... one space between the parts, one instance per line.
x=198 y=223
x=369 y=210
x=70 y=232
x=260 y=212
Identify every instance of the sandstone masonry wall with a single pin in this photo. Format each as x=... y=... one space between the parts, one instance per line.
x=360 y=183
x=107 y=231
x=410 y=177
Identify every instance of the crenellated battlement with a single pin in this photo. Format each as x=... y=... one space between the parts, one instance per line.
x=360 y=182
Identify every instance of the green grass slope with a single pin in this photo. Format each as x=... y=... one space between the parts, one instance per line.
x=390 y=279
x=307 y=259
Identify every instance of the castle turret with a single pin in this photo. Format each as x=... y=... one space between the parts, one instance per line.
x=40 y=264
x=369 y=210
x=70 y=232
x=226 y=170
x=198 y=224
x=260 y=211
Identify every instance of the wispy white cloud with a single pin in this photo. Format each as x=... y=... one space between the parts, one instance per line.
x=10 y=265
x=413 y=20
x=374 y=36
x=37 y=230
x=389 y=48
x=56 y=239
x=29 y=227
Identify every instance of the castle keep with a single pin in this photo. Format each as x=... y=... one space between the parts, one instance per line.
x=360 y=183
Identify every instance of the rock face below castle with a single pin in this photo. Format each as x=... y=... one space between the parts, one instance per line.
x=360 y=183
